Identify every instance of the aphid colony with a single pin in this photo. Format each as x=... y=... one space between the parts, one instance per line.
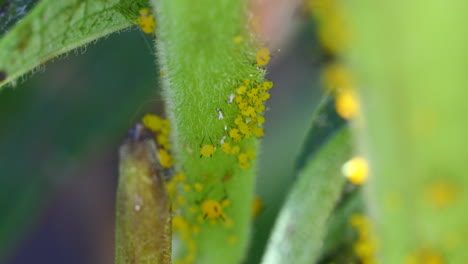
x=146 y=21
x=195 y=205
x=177 y=187
x=250 y=100
x=365 y=247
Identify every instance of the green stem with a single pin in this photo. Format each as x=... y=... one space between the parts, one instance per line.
x=201 y=67
x=143 y=216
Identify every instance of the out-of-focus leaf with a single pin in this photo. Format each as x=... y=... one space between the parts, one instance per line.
x=58 y=119
x=300 y=228
x=318 y=188
x=325 y=123
x=53 y=28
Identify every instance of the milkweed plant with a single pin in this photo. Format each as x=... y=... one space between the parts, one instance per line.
x=381 y=174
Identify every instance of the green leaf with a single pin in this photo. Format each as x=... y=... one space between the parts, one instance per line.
x=340 y=235
x=410 y=64
x=300 y=228
x=54 y=28
x=325 y=122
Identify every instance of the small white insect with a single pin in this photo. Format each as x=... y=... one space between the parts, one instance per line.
x=231 y=98
x=220 y=114
x=222 y=140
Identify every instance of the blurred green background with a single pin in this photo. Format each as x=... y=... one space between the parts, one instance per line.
x=61 y=128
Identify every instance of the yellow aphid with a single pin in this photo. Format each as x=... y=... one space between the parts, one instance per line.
x=242 y=106
x=347 y=105
x=260 y=119
x=179 y=223
x=265 y=96
x=260 y=108
x=235 y=149
x=252 y=93
x=226 y=147
x=257 y=206
x=262 y=57
x=238 y=39
x=166 y=127
x=146 y=21
x=257 y=131
x=249 y=111
x=238 y=120
x=179 y=177
x=198 y=187
x=244 y=128
x=244 y=165
x=356 y=170
x=238 y=99
x=153 y=122
x=207 y=150
x=267 y=85
x=165 y=158
x=241 y=90
x=234 y=134
x=212 y=209
x=163 y=140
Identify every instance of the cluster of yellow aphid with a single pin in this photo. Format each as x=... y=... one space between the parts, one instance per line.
x=365 y=247
x=162 y=128
x=207 y=210
x=250 y=99
x=146 y=21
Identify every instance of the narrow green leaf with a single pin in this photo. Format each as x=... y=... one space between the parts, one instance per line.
x=340 y=234
x=300 y=228
x=53 y=28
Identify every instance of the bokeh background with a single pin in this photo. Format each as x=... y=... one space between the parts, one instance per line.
x=60 y=130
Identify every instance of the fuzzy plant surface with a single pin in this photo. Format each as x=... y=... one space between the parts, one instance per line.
x=53 y=28
x=410 y=65
x=213 y=86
